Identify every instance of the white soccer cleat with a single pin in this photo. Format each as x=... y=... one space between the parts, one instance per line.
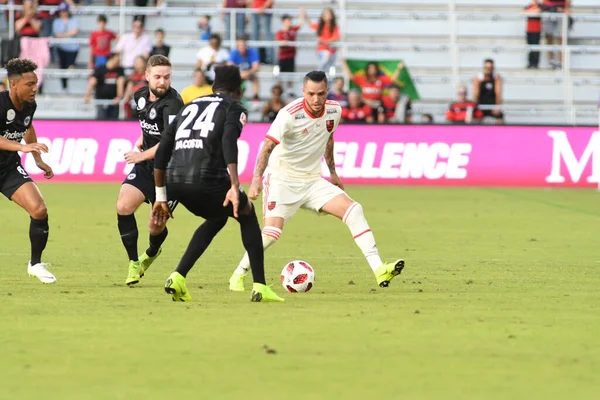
x=40 y=271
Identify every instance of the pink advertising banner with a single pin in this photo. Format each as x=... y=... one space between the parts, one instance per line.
x=92 y=151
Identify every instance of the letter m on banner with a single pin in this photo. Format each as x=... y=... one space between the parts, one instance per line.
x=562 y=151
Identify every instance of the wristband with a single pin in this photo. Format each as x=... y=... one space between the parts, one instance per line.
x=161 y=194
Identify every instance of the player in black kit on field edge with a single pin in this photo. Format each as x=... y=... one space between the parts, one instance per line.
x=156 y=105
x=196 y=165
x=16 y=114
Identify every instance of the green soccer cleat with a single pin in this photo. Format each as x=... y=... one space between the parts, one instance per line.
x=133 y=276
x=146 y=261
x=176 y=287
x=236 y=282
x=264 y=293
x=388 y=271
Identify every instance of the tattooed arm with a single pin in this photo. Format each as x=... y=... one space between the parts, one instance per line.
x=330 y=161
x=261 y=166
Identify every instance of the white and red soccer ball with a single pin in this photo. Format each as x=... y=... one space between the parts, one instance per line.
x=298 y=276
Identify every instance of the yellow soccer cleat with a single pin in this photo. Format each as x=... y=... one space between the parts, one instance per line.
x=176 y=287
x=388 y=271
x=264 y=293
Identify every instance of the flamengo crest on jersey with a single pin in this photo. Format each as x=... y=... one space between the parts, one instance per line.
x=301 y=139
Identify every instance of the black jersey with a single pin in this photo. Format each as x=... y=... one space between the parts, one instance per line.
x=202 y=140
x=13 y=125
x=487 y=90
x=155 y=116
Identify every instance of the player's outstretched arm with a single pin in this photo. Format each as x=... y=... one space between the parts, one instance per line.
x=261 y=166
x=31 y=139
x=330 y=161
x=160 y=211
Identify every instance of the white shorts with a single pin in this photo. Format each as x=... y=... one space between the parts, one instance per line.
x=282 y=198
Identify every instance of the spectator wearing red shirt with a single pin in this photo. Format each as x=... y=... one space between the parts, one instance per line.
x=463 y=111
x=287 y=34
x=328 y=33
x=27 y=24
x=100 y=43
x=135 y=81
x=395 y=108
x=534 y=32
x=373 y=82
x=357 y=111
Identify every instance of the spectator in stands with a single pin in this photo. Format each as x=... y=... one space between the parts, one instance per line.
x=487 y=91
x=264 y=19
x=144 y=3
x=373 y=82
x=160 y=47
x=534 y=32
x=427 y=119
x=240 y=18
x=133 y=44
x=136 y=80
x=357 y=111
x=27 y=24
x=273 y=105
x=328 y=33
x=204 y=27
x=199 y=88
x=394 y=108
x=66 y=27
x=212 y=56
x=100 y=43
x=246 y=58
x=287 y=34
x=48 y=17
x=338 y=94
x=463 y=111
x=552 y=26
x=109 y=82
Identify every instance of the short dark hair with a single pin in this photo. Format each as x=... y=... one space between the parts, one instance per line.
x=20 y=66
x=160 y=30
x=286 y=16
x=215 y=36
x=488 y=60
x=227 y=78
x=158 y=60
x=102 y=18
x=394 y=86
x=316 y=76
x=207 y=17
x=140 y=19
x=242 y=37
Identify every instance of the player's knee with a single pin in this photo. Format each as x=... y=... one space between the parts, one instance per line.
x=39 y=211
x=124 y=207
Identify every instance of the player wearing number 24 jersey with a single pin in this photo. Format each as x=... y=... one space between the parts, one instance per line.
x=298 y=139
x=196 y=165
x=16 y=123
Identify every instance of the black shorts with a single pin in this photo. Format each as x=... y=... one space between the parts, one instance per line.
x=143 y=179
x=205 y=199
x=488 y=113
x=12 y=179
x=287 y=65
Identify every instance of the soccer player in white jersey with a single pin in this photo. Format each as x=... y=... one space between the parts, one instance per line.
x=298 y=139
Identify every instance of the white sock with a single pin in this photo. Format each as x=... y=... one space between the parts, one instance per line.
x=270 y=235
x=355 y=219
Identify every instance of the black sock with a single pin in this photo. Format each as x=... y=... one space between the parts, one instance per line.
x=129 y=234
x=252 y=240
x=156 y=241
x=38 y=236
x=199 y=243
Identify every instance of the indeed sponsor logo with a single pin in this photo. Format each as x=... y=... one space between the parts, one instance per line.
x=563 y=154
x=153 y=128
x=402 y=160
x=15 y=135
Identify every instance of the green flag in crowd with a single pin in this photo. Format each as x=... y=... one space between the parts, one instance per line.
x=357 y=67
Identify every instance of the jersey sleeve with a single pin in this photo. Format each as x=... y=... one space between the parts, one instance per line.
x=282 y=123
x=235 y=119
x=170 y=110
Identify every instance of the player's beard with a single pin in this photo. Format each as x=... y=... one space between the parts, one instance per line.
x=160 y=93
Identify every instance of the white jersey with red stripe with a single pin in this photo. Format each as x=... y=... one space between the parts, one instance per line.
x=301 y=139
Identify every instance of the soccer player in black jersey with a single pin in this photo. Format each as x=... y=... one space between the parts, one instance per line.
x=156 y=105
x=17 y=107
x=196 y=165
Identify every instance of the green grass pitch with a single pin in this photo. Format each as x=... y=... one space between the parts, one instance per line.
x=499 y=300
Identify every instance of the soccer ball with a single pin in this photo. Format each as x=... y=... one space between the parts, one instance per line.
x=298 y=276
